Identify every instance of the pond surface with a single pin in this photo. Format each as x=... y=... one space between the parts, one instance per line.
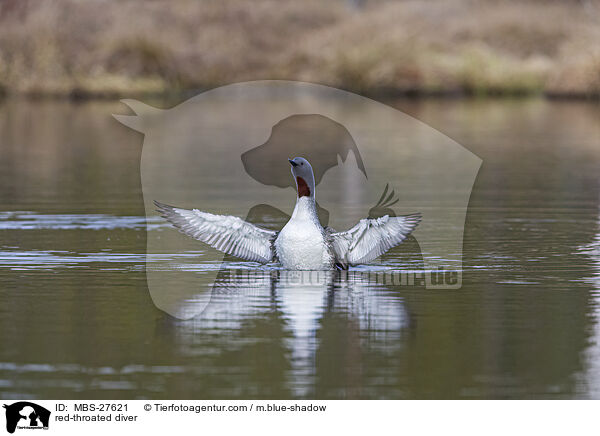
x=77 y=320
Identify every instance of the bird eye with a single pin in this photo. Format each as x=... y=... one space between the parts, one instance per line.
x=301 y=163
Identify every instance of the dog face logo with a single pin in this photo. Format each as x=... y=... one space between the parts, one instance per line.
x=225 y=152
x=322 y=141
x=26 y=415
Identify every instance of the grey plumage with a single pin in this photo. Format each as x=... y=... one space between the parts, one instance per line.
x=370 y=238
x=225 y=233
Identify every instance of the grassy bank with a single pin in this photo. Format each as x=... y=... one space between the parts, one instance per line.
x=128 y=47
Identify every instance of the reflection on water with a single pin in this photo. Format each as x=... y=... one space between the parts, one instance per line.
x=76 y=319
x=315 y=318
x=592 y=376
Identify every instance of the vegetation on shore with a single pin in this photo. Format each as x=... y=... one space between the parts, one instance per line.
x=115 y=48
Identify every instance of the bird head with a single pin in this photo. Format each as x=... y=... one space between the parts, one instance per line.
x=303 y=174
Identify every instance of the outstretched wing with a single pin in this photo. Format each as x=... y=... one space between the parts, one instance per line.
x=370 y=238
x=225 y=233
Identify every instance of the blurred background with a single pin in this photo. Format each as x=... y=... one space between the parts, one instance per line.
x=114 y=48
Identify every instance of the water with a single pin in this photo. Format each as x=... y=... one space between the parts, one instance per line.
x=77 y=320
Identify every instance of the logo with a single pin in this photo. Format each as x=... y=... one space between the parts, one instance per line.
x=225 y=152
x=26 y=415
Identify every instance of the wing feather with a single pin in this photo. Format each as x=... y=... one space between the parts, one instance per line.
x=370 y=238
x=226 y=233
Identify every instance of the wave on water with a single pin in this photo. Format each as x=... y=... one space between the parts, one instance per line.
x=24 y=220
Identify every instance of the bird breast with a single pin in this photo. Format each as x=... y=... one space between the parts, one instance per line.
x=301 y=246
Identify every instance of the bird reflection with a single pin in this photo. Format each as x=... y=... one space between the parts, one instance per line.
x=315 y=326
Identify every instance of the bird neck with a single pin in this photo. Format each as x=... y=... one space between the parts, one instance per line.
x=305 y=208
x=305 y=186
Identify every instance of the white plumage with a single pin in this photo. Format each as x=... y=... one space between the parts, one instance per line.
x=302 y=244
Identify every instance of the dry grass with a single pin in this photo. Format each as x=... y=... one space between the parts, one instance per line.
x=110 y=47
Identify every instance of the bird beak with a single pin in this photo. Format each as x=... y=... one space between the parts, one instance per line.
x=294 y=164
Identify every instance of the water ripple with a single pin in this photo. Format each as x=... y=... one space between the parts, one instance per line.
x=25 y=220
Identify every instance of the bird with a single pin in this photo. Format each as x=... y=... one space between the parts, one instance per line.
x=303 y=243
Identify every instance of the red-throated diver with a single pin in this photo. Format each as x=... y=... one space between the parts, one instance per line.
x=302 y=244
